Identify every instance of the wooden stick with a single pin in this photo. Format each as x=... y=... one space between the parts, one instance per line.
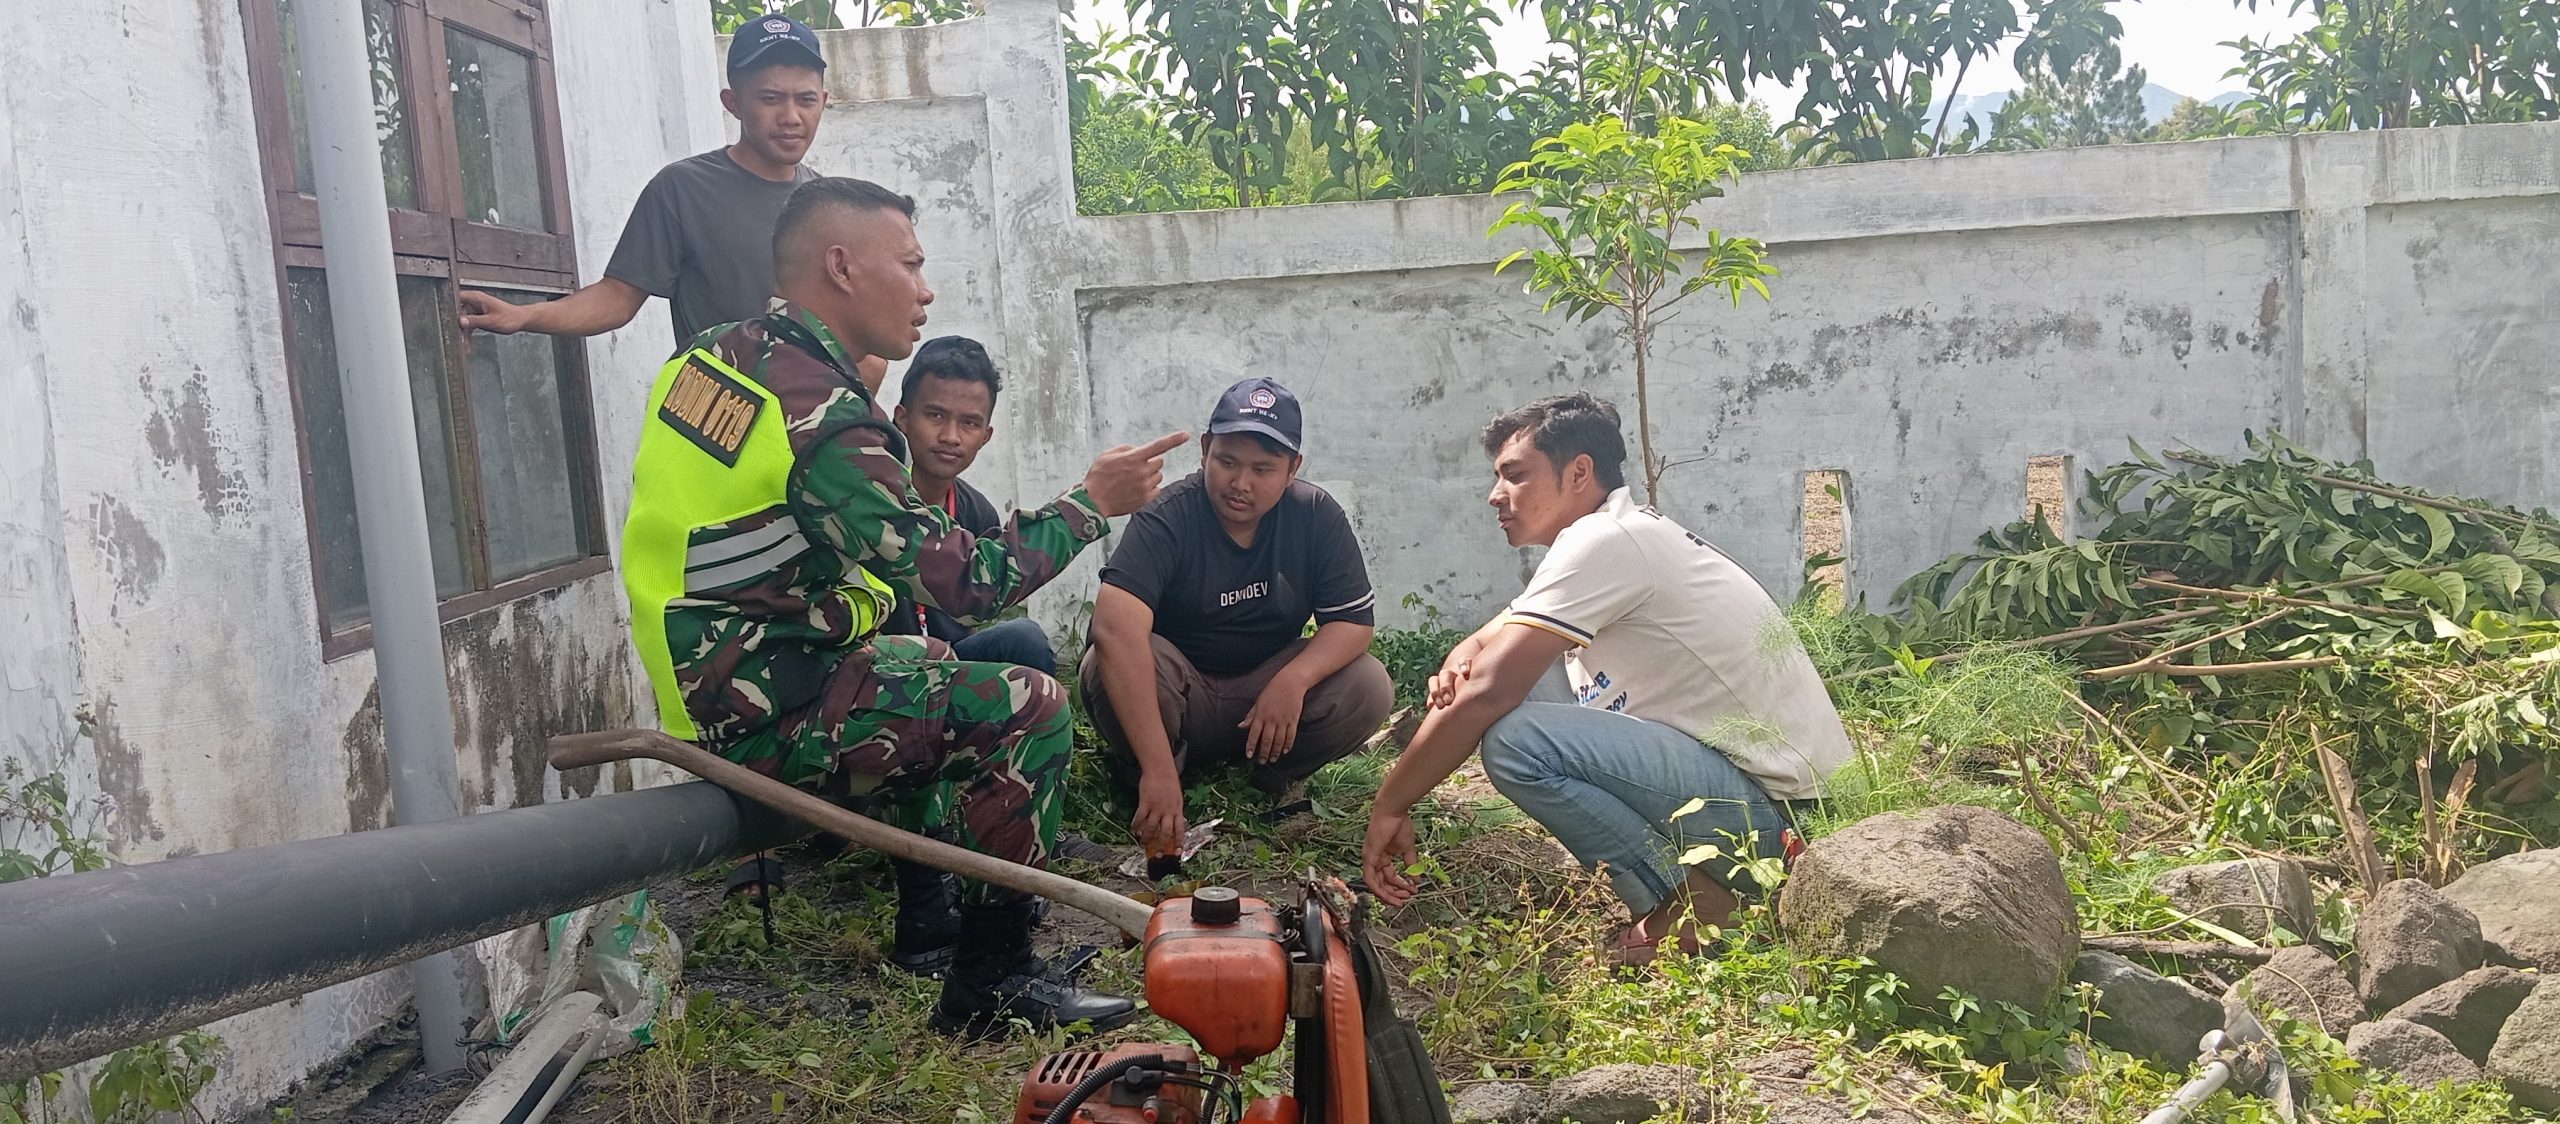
x=2193 y=950
x=2145 y=667
x=2160 y=659
x=577 y=751
x=2342 y=792
x=2255 y=596
x=2527 y=522
x=2035 y=792
x=2133 y=746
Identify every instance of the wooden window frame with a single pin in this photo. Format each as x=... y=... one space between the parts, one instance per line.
x=433 y=239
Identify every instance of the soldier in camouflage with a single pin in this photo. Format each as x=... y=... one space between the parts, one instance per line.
x=773 y=523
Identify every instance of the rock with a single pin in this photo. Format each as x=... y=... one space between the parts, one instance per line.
x=2305 y=983
x=1497 y=1102
x=2415 y=1054
x=1626 y=1094
x=1797 y=1105
x=2147 y=1014
x=2470 y=1010
x=1957 y=897
x=2527 y=1056
x=2409 y=939
x=2251 y=897
x=2517 y=900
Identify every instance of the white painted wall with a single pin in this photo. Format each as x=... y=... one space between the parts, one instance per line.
x=157 y=575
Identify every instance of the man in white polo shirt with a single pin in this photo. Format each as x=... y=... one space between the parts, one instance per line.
x=1684 y=685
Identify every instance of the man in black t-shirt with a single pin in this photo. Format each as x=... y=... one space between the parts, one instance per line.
x=1200 y=655
x=701 y=233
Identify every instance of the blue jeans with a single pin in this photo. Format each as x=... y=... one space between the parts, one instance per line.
x=1606 y=785
x=1018 y=641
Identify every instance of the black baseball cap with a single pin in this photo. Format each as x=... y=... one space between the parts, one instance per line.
x=1258 y=405
x=772 y=38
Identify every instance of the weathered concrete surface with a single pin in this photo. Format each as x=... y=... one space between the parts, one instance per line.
x=1997 y=308
x=158 y=578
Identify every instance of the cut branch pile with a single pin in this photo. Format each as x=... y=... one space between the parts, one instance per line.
x=2236 y=606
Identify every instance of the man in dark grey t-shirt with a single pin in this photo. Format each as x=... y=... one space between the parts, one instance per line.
x=701 y=234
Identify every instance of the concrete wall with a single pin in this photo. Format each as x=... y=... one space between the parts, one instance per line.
x=1937 y=322
x=156 y=592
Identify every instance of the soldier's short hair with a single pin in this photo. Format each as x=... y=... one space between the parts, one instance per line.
x=825 y=194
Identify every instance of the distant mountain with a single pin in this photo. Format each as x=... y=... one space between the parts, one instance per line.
x=2158 y=102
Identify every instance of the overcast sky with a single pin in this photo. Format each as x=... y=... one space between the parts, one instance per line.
x=2175 y=40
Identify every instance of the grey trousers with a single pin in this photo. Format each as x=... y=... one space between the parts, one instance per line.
x=1202 y=713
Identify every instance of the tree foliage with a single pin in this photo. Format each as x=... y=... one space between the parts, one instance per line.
x=827 y=15
x=2379 y=64
x=2097 y=100
x=1612 y=205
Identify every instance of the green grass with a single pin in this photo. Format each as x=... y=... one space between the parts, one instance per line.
x=1498 y=957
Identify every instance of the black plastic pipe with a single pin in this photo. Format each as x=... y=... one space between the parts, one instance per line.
x=92 y=963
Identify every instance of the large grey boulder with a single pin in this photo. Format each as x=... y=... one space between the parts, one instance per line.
x=2302 y=982
x=2411 y=939
x=2470 y=1010
x=2251 y=897
x=1957 y=897
x=2147 y=1014
x=2517 y=900
x=1497 y=1102
x=1628 y=1094
x=2527 y=1056
x=2415 y=1054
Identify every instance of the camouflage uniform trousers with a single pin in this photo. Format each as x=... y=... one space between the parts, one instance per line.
x=983 y=746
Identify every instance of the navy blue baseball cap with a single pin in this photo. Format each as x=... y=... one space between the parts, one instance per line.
x=769 y=39
x=1258 y=405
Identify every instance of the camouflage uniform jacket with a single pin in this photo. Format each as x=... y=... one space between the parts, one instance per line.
x=749 y=653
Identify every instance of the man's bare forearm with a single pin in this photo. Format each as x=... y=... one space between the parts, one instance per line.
x=1127 y=653
x=1331 y=649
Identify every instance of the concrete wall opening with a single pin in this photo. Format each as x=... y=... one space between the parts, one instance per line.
x=1824 y=530
x=2049 y=493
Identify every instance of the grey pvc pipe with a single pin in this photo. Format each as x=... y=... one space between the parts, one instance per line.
x=92 y=963
x=382 y=436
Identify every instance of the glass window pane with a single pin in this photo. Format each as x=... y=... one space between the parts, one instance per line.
x=493 y=128
x=526 y=423
x=390 y=102
x=333 y=518
x=429 y=323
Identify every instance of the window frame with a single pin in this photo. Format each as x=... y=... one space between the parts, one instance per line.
x=433 y=239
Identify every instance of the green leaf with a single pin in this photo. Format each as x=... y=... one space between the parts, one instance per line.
x=2495 y=571
x=2425 y=585
x=2439 y=531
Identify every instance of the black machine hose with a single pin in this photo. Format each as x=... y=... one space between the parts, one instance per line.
x=1095 y=1081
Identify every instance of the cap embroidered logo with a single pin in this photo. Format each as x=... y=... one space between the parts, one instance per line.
x=1263 y=399
x=777 y=27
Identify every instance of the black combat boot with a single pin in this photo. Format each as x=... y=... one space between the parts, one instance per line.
x=928 y=926
x=995 y=979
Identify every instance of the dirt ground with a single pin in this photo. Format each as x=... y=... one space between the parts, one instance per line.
x=1826 y=525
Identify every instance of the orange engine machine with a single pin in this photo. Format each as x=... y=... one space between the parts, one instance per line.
x=1237 y=973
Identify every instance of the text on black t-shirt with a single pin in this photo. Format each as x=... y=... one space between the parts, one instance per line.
x=1229 y=608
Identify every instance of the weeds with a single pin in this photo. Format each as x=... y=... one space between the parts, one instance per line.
x=1500 y=958
x=43 y=832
